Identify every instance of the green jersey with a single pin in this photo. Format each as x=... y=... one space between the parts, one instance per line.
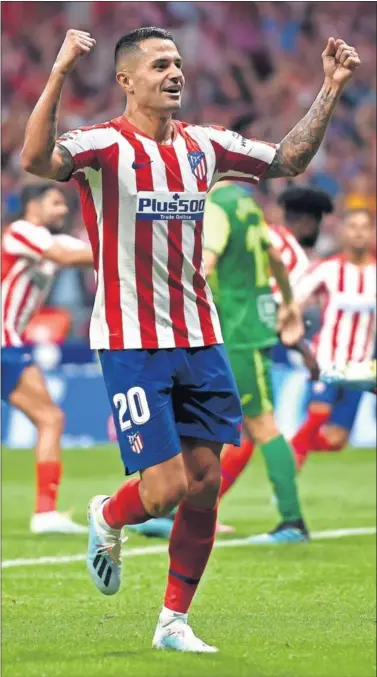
x=235 y=230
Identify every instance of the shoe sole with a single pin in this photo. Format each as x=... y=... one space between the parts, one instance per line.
x=160 y=647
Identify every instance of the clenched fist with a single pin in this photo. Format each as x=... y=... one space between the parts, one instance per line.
x=76 y=44
x=339 y=61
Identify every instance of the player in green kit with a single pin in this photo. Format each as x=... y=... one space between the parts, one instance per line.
x=240 y=257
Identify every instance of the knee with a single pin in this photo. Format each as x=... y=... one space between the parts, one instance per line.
x=337 y=438
x=204 y=489
x=262 y=429
x=51 y=416
x=160 y=500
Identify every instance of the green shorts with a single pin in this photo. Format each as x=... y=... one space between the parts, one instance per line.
x=252 y=371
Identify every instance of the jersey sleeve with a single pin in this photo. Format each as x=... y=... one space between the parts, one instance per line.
x=312 y=282
x=216 y=228
x=81 y=144
x=238 y=158
x=69 y=242
x=26 y=239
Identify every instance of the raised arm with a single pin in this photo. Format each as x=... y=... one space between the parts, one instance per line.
x=298 y=148
x=39 y=154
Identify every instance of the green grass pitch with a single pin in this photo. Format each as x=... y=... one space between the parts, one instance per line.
x=292 y=611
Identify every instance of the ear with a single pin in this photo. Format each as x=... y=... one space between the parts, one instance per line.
x=125 y=81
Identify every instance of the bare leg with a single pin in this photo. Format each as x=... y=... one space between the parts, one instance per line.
x=32 y=398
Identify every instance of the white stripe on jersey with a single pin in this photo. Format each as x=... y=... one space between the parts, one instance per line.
x=98 y=324
x=365 y=333
x=126 y=248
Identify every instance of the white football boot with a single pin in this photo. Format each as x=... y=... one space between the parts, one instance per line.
x=54 y=522
x=104 y=549
x=174 y=633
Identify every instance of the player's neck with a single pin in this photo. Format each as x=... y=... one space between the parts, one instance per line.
x=357 y=258
x=158 y=127
x=32 y=217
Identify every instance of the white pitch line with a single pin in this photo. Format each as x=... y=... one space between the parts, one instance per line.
x=159 y=549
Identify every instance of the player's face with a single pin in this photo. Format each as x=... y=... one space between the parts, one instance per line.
x=358 y=232
x=54 y=209
x=156 y=80
x=307 y=231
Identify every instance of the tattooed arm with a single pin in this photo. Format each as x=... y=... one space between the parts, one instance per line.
x=39 y=154
x=298 y=148
x=301 y=144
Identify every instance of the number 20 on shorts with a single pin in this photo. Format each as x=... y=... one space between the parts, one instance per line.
x=135 y=402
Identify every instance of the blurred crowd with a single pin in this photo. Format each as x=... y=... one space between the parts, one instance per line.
x=255 y=62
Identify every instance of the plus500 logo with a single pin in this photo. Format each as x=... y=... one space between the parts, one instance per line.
x=169 y=206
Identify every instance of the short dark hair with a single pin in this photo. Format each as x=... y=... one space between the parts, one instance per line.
x=35 y=191
x=305 y=200
x=131 y=40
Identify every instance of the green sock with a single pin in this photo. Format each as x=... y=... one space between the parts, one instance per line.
x=281 y=469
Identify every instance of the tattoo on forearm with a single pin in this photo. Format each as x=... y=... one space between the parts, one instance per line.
x=66 y=168
x=53 y=128
x=301 y=144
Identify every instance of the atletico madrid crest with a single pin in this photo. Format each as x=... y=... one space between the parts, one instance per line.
x=136 y=442
x=198 y=164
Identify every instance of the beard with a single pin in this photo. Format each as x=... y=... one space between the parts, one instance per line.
x=309 y=240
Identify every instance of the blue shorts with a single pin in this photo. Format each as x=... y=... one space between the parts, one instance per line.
x=13 y=362
x=344 y=402
x=158 y=396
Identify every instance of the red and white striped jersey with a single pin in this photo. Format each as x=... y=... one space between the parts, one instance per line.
x=348 y=323
x=26 y=277
x=292 y=254
x=143 y=205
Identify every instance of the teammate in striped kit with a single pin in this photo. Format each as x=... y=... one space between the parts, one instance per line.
x=32 y=253
x=143 y=180
x=347 y=283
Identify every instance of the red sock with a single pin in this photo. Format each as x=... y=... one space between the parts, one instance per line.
x=321 y=443
x=48 y=476
x=190 y=546
x=302 y=442
x=233 y=461
x=125 y=507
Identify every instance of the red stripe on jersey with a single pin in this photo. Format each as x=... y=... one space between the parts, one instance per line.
x=356 y=317
x=175 y=251
x=199 y=283
x=26 y=242
x=144 y=253
x=340 y=313
x=8 y=340
x=227 y=160
x=88 y=158
x=110 y=207
x=89 y=215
